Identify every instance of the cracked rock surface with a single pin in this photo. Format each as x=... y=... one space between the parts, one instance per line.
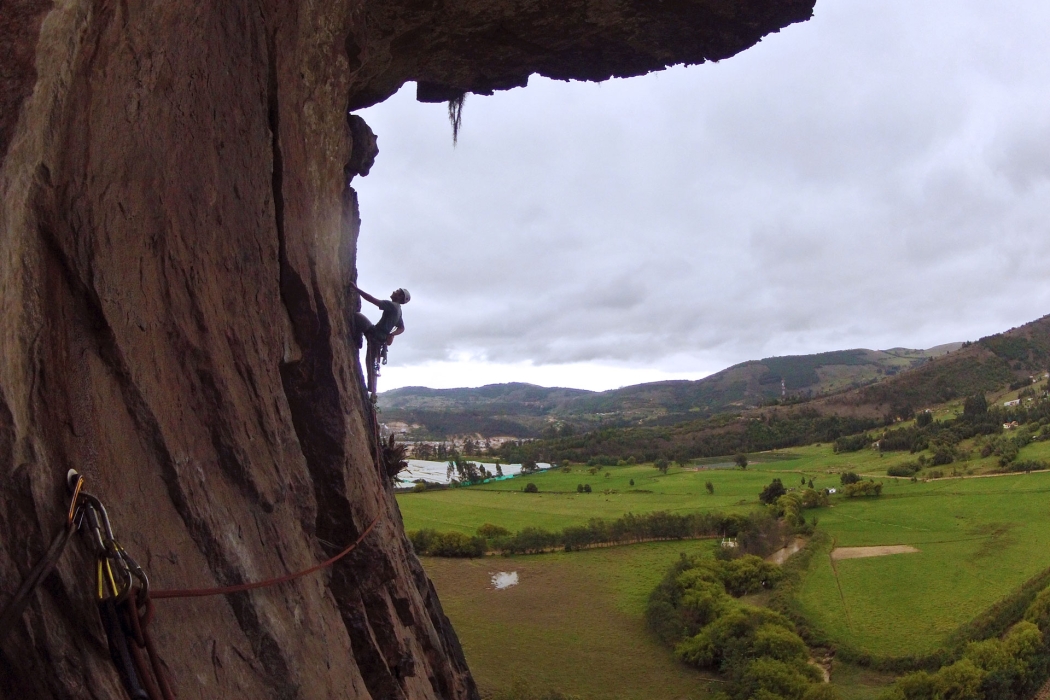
x=177 y=229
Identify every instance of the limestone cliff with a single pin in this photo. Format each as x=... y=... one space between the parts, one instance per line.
x=177 y=228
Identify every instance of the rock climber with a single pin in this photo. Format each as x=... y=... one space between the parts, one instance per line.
x=390 y=324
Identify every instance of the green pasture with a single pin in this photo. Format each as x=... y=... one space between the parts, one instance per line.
x=558 y=505
x=574 y=622
x=979 y=540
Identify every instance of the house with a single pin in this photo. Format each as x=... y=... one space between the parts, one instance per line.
x=830 y=491
x=1010 y=426
x=1015 y=402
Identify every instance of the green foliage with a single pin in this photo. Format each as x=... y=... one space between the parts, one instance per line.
x=491 y=532
x=740 y=459
x=772 y=492
x=904 y=469
x=710 y=487
x=757 y=649
x=661 y=464
x=863 y=488
x=847 y=478
x=994 y=669
x=446 y=544
x=975 y=406
x=852 y=443
x=531 y=488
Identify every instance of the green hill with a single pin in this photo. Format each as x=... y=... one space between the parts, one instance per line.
x=526 y=410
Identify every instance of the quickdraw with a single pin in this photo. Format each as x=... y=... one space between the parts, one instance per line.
x=124 y=605
x=122 y=592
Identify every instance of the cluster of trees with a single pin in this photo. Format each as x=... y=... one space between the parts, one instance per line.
x=720 y=435
x=944 y=437
x=757 y=533
x=852 y=443
x=758 y=651
x=1001 y=668
x=447 y=544
x=863 y=488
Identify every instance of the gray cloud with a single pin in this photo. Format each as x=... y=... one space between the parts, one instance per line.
x=878 y=176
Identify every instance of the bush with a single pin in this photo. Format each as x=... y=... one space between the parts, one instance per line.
x=924 y=419
x=491 y=532
x=771 y=493
x=852 y=443
x=710 y=487
x=531 y=488
x=446 y=544
x=905 y=469
x=586 y=488
x=863 y=488
x=740 y=459
x=848 y=478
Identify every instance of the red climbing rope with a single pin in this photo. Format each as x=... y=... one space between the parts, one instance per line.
x=202 y=592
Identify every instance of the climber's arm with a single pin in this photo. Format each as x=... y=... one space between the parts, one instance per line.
x=365 y=295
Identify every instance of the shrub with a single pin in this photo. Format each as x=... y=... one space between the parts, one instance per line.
x=586 y=488
x=531 y=488
x=863 y=488
x=710 y=487
x=661 y=464
x=905 y=469
x=446 y=544
x=579 y=488
x=924 y=419
x=491 y=532
x=740 y=459
x=771 y=493
x=852 y=443
x=848 y=478
x=632 y=482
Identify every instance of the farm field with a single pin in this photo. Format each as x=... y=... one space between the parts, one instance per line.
x=574 y=622
x=978 y=540
x=558 y=505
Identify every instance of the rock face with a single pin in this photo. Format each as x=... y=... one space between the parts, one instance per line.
x=177 y=230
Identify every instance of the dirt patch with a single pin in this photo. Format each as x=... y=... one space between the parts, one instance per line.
x=880 y=551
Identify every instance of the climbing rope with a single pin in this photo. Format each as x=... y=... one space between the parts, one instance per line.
x=240 y=588
x=123 y=594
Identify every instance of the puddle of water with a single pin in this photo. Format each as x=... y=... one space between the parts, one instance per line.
x=504 y=579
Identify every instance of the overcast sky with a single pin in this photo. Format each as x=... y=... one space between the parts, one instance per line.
x=876 y=177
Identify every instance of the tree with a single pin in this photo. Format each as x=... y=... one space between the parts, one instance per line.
x=586 y=488
x=710 y=487
x=632 y=482
x=661 y=464
x=924 y=419
x=499 y=469
x=529 y=466
x=531 y=488
x=847 y=478
x=771 y=493
x=975 y=406
x=740 y=459
x=579 y=488
x=811 y=483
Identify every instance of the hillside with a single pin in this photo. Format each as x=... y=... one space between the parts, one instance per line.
x=990 y=365
x=526 y=410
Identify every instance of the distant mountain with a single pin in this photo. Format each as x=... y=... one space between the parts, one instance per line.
x=994 y=364
x=526 y=410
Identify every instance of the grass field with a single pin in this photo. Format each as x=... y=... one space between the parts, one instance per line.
x=574 y=623
x=558 y=505
x=979 y=539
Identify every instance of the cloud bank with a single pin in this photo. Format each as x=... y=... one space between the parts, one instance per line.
x=876 y=177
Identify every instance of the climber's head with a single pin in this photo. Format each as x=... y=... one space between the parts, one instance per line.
x=401 y=296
